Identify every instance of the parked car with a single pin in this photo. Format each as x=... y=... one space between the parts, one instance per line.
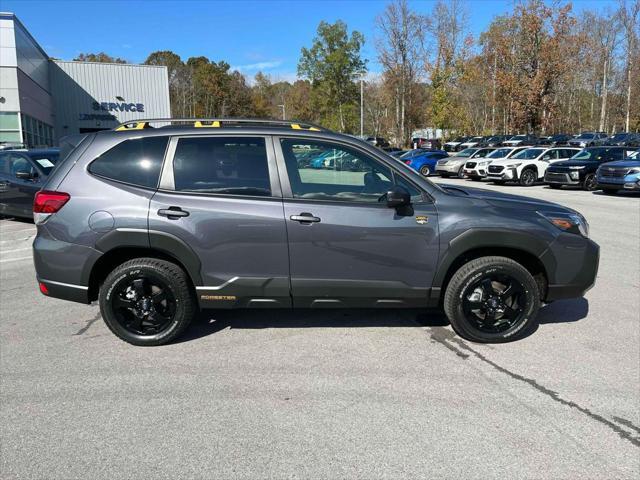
x=379 y=142
x=22 y=174
x=588 y=139
x=453 y=145
x=472 y=142
x=581 y=169
x=624 y=140
x=423 y=161
x=495 y=140
x=620 y=175
x=527 y=166
x=454 y=165
x=225 y=218
x=556 y=140
x=520 y=140
x=430 y=143
x=477 y=169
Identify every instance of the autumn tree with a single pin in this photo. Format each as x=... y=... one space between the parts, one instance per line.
x=98 y=57
x=400 y=47
x=332 y=65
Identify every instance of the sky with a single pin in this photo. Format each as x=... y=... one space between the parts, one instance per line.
x=252 y=36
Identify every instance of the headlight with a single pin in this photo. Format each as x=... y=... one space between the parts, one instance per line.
x=577 y=168
x=633 y=171
x=568 y=222
x=483 y=164
x=514 y=165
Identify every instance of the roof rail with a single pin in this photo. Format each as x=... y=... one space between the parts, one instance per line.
x=217 y=123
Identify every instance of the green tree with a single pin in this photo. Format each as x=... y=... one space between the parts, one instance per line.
x=332 y=64
x=178 y=79
x=98 y=57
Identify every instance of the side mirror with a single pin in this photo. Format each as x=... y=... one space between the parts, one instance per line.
x=398 y=197
x=25 y=175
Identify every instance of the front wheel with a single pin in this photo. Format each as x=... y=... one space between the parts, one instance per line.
x=461 y=172
x=528 y=177
x=590 y=183
x=492 y=300
x=425 y=171
x=147 y=301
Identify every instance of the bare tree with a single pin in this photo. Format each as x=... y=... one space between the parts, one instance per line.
x=629 y=19
x=401 y=52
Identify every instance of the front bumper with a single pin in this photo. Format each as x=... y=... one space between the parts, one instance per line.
x=621 y=183
x=506 y=175
x=449 y=168
x=572 y=263
x=560 y=178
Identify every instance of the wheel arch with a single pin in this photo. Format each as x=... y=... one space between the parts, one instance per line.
x=475 y=243
x=121 y=245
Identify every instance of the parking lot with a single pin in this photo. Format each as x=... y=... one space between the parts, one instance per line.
x=335 y=393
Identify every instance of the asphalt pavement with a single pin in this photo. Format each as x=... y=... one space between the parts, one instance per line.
x=328 y=394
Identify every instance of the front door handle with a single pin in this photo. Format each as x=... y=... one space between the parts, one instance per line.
x=305 y=217
x=173 y=213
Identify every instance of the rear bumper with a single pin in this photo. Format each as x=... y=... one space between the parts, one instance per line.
x=63 y=267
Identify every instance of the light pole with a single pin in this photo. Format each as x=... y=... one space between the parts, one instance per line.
x=284 y=115
x=362 y=105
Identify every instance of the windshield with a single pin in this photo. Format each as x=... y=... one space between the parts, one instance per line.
x=467 y=152
x=589 y=154
x=46 y=160
x=585 y=136
x=620 y=136
x=475 y=139
x=499 y=153
x=410 y=154
x=518 y=137
x=529 y=153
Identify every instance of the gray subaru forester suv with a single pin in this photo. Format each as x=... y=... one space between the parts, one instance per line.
x=159 y=218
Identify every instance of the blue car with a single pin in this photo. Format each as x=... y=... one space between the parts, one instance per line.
x=424 y=161
x=620 y=175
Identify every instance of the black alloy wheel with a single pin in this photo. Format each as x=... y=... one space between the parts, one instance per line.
x=143 y=304
x=590 y=182
x=494 y=302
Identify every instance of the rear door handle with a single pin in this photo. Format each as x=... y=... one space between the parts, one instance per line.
x=305 y=217
x=173 y=213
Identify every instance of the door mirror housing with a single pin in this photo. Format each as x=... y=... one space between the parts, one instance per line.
x=25 y=175
x=398 y=197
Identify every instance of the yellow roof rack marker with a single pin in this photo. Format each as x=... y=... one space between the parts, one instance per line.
x=199 y=124
x=136 y=126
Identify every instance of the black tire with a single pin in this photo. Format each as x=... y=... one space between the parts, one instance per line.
x=461 y=296
x=425 y=171
x=528 y=177
x=555 y=187
x=461 y=172
x=165 y=319
x=609 y=191
x=590 y=184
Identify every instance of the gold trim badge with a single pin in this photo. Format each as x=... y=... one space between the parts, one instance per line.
x=217 y=297
x=422 y=219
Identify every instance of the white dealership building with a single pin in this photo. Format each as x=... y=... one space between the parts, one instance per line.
x=43 y=99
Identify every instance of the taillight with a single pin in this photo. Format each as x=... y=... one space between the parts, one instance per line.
x=408 y=162
x=49 y=202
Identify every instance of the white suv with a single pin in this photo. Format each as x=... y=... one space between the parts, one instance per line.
x=477 y=169
x=527 y=166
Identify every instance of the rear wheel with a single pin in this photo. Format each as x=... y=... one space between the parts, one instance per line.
x=425 y=171
x=147 y=301
x=590 y=183
x=528 y=177
x=492 y=300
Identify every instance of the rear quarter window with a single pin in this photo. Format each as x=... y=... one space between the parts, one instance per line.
x=136 y=161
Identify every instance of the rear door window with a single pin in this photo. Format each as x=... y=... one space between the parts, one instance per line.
x=222 y=165
x=137 y=161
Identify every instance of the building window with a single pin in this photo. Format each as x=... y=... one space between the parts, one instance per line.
x=36 y=133
x=9 y=127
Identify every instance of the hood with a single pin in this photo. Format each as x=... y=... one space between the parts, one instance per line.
x=574 y=163
x=623 y=164
x=504 y=200
x=502 y=162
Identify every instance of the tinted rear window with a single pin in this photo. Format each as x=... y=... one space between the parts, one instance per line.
x=136 y=161
x=222 y=165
